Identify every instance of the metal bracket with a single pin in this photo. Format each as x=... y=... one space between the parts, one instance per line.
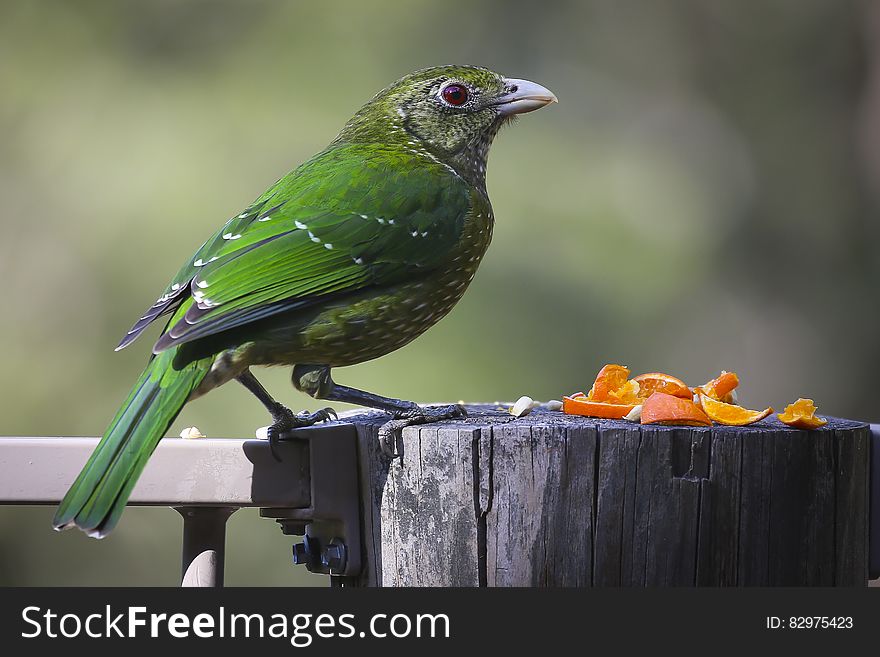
x=331 y=524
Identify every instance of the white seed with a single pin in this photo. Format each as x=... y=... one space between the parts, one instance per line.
x=191 y=433
x=522 y=407
x=635 y=415
x=262 y=433
x=553 y=405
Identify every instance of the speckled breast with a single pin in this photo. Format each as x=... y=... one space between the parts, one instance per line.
x=373 y=323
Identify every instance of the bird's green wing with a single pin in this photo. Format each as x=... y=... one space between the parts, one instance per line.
x=179 y=288
x=352 y=217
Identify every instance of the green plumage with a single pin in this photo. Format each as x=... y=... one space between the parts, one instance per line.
x=350 y=256
x=98 y=496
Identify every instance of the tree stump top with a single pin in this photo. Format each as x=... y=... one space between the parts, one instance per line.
x=486 y=415
x=562 y=500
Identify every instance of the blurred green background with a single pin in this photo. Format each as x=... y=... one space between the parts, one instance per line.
x=704 y=196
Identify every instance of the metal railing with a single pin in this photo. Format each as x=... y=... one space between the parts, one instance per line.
x=311 y=491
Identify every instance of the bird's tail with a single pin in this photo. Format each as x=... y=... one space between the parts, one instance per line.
x=97 y=498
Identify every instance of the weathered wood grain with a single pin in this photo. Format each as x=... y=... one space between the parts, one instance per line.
x=421 y=528
x=852 y=485
x=540 y=526
x=615 y=486
x=555 y=500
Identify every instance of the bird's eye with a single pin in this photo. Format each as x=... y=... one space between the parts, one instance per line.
x=455 y=94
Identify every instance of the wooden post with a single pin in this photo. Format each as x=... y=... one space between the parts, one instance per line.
x=556 y=500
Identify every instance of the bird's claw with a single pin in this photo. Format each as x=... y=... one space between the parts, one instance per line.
x=286 y=420
x=391 y=431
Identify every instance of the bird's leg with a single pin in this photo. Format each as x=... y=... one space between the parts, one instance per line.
x=315 y=380
x=283 y=418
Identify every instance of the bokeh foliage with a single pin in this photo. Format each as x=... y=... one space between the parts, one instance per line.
x=703 y=197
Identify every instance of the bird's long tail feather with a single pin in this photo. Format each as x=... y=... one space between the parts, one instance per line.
x=97 y=498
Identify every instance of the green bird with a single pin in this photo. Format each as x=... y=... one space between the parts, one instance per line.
x=350 y=256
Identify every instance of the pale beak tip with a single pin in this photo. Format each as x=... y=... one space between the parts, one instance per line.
x=526 y=96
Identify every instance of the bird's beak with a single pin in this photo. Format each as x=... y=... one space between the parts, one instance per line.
x=523 y=96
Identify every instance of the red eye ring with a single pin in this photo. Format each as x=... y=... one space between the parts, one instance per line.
x=455 y=94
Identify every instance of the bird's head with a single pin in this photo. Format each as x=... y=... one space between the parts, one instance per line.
x=454 y=112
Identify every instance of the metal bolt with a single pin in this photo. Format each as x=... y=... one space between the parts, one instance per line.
x=301 y=554
x=334 y=555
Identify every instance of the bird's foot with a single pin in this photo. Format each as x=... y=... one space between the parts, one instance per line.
x=286 y=420
x=391 y=430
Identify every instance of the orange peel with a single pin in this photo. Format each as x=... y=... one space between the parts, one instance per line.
x=802 y=415
x=660 y=382
x=589 y=408
x=730 y=414
x=662 y=408
x=720 y=388
x=609 y=380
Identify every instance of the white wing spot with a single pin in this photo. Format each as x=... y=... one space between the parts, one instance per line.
x=415 y=233
x=362 y=216
x=313 y=238
x=425 y=234
x=300 y=225
x=327 y=245
x=267 y=218
x=358 y=261
x=213 y=258
x=242 y=215
x=198 y=263
x=176 y=286
x=202 y=284
x=230 y=236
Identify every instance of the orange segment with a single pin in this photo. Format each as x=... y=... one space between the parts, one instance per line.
x=802 y=415
x=659 y=382
x=720 y=387
x=729 y=414
x=661 y=408
x=583 y=406
x=628 y=393
x=609 y=379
